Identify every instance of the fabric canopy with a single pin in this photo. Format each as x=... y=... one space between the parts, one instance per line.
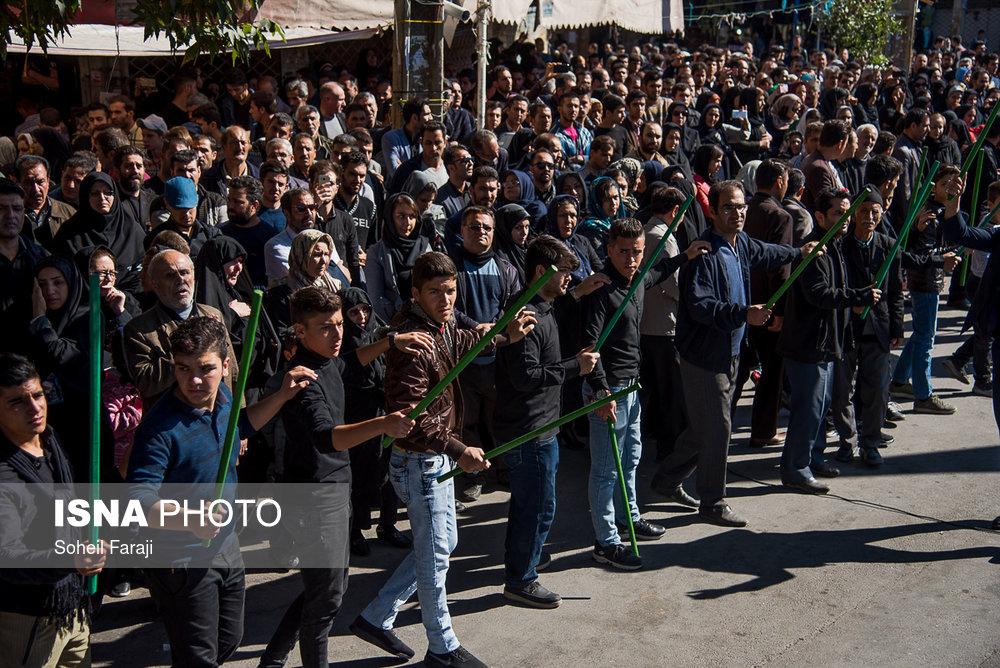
x=643 y=16
x=329 y=14
x=101 y=40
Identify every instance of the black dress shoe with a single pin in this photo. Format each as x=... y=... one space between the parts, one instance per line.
x=887 y=440
x=996 y=524
x=723 y=516
x=384 y=639
x=643 y=530
x=677 y=495
x=393 y=536
x=807 y=485
x=825 y=470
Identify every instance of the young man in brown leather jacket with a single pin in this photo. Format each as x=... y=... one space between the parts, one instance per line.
x=431 y=449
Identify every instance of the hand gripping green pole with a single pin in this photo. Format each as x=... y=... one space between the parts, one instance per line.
x=816 y=249
x=883 y=271
x=621 y=479
x=972 y=214
x=569 y=417
x=476 y=349
x=96 y=346
x=637 y=279
x=241 y=384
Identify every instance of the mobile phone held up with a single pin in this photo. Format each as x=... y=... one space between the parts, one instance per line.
x=739 y=114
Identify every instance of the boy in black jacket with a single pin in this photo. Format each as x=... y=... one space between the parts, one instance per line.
x=815 y=334
x=618 y=369
x=529 y=376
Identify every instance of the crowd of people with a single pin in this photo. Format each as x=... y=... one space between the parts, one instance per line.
x=385 y=254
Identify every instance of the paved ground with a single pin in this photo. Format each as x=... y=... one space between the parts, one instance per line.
x=896 y=567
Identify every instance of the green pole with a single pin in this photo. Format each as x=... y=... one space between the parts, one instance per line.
x=624 y=486
x=476 y=349
x=569 y=417
x=916 y=186
x=96 y=347
x=637 y=279
x=241 y=384
x=974 y=210
x=815 y=251
x=883 y=271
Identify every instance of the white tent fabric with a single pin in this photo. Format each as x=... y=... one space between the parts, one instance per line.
x=644 y=16
x=329 y=13
x=101 y=40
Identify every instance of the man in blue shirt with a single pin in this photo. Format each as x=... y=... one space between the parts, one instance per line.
x=180 y=440
x=711 y=323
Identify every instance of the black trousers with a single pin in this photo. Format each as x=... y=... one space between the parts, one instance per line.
x=662 y=395
x=860 y=394
x=767 y=396
x=704 y=445
x=320 y=529
x=202 y=608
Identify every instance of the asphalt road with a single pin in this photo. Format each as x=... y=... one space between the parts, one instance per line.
x=896 y=567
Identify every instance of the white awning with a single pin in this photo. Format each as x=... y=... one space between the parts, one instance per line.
x=643 y=16
x=329 y=14
x=102 y=40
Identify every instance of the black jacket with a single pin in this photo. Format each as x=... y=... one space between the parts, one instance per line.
x=926 y=276
x=342 y=228
x=43 y=587
x=817 y=312
x=529 y=376
x=885 y=321
x=706 y=318
x=619 y=361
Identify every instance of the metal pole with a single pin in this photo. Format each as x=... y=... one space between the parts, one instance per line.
x=482 y=25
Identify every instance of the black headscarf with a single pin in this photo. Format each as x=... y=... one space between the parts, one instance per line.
x=585 y=268
x=76 y=305
x=507 y=217
x=89 y=229
x=211 y=286
x=55 y=149
x=369 y=376
x=403 y=250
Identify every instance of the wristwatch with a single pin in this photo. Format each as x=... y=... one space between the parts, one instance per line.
x=392 y=341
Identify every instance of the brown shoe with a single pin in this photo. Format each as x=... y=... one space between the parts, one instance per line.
x=777 y=439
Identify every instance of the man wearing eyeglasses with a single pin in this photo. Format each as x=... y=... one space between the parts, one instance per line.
x=543 y=171
x=300 y=214
x=714 y=312
x=454 y=195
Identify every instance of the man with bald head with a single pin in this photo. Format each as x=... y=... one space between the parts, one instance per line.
x=332 y=100
x=146 y=337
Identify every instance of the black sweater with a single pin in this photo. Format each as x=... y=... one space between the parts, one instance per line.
x=529 y=376
x=619 y=361
x=309 y=419
x=817 y=312
x=885 y=321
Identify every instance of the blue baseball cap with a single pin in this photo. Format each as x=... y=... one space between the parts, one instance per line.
x=180 y=192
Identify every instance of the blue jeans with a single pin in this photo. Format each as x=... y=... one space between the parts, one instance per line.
x=430 y=506
x=605 y=498
x=915 y=358
x=811 y=390
x=533 y=467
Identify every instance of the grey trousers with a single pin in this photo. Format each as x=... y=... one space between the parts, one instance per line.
x=704 y=444
x=861 y=378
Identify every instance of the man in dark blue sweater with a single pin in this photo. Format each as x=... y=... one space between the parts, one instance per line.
x=180 y=440
x=529 y=377
x=711 y=323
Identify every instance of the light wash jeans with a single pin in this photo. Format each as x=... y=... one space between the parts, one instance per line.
x=430 y=506
x=915 y=358
x=604 y=492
